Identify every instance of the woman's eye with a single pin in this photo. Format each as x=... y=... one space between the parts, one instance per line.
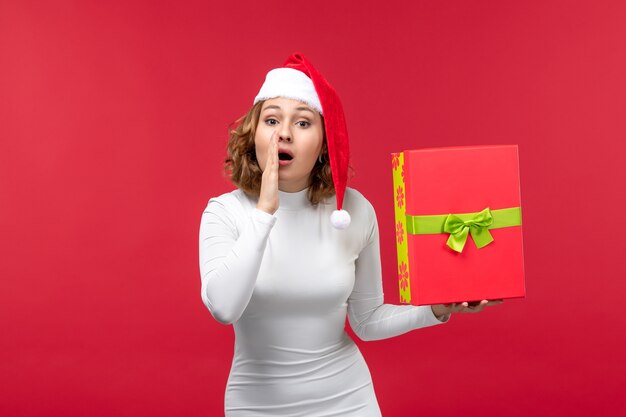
x=303 y=123
x=271 y=122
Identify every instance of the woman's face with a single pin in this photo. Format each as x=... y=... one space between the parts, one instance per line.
x=300 y=140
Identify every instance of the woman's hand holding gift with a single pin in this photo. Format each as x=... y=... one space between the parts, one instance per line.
x=442 y=311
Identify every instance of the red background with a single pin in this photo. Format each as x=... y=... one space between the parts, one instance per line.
x=113 y=121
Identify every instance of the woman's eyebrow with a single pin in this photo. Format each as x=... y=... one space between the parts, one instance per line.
x=276 y=107
x=304 y=108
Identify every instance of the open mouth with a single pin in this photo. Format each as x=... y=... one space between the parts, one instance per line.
x=284 y=156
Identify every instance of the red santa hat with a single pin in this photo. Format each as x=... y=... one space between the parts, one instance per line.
x=299 y=80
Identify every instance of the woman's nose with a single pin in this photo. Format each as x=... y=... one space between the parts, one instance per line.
x=284 y=134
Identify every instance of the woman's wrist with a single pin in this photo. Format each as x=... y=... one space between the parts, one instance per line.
x=266 y=209
x=440 y=311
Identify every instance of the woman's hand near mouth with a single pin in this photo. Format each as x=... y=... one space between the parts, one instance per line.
x=268 y=196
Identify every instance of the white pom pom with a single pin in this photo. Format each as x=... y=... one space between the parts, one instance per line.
x=340 y=219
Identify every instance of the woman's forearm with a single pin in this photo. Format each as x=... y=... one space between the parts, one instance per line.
x=229 y=264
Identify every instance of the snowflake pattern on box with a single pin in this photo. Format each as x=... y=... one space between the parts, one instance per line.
x=403 y=276
x=399 y=233
x=404 y=282
x=400 y=197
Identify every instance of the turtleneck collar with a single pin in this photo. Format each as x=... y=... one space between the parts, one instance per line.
x=294 y=201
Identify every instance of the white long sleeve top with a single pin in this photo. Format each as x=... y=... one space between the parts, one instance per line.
x=286 y=282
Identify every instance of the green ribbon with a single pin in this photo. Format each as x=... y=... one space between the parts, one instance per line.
x=459 y=226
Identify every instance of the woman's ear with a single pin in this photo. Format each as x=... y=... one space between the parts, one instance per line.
x=323 y=156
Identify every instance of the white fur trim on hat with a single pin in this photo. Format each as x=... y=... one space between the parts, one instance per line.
x=289 y=83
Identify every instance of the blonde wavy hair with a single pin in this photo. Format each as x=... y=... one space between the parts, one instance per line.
x=242 y=167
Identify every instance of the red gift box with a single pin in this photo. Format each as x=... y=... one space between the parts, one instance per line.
x=458 y=224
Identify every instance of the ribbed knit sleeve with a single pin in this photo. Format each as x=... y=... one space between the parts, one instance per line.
x=229 y=259
x=369 y=317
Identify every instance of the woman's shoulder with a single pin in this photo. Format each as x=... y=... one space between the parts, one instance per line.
x=361 y=210
x=354 y=199
x=235 y=196
x=234 y=202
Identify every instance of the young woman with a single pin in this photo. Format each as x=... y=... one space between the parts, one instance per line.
x=285 y=268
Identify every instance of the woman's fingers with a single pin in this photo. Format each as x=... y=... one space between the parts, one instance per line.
x=272 y=157
x=273 y=168
x=470 y=307
x=268 y=196
x=475 y=307
x=271 y=164
x=478 y=307
x=456 y=307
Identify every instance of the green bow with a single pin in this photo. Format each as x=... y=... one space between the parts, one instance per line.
x=477 y=225
x=461 y=224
